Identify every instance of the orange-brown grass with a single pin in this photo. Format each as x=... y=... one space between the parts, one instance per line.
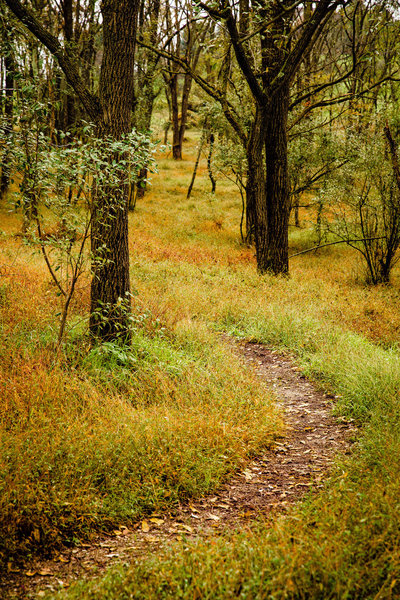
x=170 y=231
x=344 y=541
x=91 y=438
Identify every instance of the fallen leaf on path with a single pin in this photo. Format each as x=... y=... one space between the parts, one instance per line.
x=62 y=559
x=30 y=573
x=156 y=521
x=248 y=475
x=145 y=527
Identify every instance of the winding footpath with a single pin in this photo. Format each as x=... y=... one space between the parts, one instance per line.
x=270 y=483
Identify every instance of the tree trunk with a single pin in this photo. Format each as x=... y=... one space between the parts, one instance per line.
x=274 y=257
x=173 y=87
x=256 y=223
x=110 y=289
x=146 y=64
x=9 y=67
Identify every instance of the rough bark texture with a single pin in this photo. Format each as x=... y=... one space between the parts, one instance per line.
x=276 y=257
x=8 y=98
x=256 y=221
x=109 y=239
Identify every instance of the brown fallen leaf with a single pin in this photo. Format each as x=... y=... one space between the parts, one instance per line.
x=46 y=572
x=212 y=517
x=30 y=573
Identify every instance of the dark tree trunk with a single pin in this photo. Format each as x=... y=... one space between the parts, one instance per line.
x=267 y=189
x=9 y=67
x=256 y=224
x=275 y=258
x=176 y=147
x=110 y=289
x=187 y=85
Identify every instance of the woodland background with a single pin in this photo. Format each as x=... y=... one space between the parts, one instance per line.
x=171 y=172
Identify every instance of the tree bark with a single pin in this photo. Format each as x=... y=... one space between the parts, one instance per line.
x=110 y=288
x=9 y=67
x=256 y=222
x=275 y=258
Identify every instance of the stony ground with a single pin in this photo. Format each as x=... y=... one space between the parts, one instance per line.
x=270 y=483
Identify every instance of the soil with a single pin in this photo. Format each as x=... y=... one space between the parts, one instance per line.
x=270 y=483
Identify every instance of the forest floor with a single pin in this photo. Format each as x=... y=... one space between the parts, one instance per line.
x=270 y=483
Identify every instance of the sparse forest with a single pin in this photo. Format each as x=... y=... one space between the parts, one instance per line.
x=199 y=299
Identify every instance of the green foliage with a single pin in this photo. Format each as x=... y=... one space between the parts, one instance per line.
x=362 y=203
x=58 y=191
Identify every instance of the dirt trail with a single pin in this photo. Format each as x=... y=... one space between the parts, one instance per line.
x=271 y=482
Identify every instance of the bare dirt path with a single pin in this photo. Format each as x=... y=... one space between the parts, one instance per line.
x=269 y=483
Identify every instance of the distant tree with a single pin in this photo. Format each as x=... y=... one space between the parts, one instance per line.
x=7 y=96
x=184 y=38
x=146 y=69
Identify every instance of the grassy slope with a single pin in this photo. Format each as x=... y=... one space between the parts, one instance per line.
x=191 y=271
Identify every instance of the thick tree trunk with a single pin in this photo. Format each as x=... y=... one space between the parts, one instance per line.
x=110 y=289
x=267 y=189
x=274 y=258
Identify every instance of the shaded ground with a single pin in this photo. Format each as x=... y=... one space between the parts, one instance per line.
x=269 y=483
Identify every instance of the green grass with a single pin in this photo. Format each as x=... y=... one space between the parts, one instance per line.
x=100 y=436
x=341 y=543
x=94 y=438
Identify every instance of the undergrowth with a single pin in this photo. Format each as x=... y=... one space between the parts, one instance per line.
x=98 y=437
x=343 y=542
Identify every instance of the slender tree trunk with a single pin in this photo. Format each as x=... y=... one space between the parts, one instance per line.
x=173 y=86
x=9 y=66
x=147 y=62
